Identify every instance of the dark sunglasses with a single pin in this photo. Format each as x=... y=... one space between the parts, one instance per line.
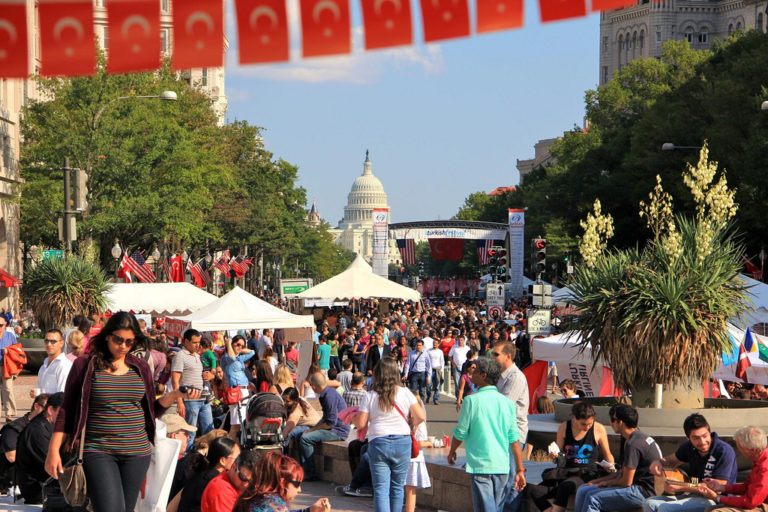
x=296 y=483
x=3 y=325
x=118 y=340
x=241 y=477
x=495 y=354
x=52 y=342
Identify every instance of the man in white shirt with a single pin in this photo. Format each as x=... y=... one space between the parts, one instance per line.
x=437 y=359
x=52 y=376
x=458 y=355
x=264 y=342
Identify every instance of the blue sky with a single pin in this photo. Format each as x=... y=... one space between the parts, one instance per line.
x=441 y=120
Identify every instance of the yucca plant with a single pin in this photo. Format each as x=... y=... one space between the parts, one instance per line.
x=58 y=290
x=657 y=315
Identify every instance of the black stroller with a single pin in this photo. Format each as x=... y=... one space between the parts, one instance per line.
x=262 y=428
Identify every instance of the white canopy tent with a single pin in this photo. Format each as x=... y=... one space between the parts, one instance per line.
x=239 y=309
x=359 y=282
x=157 y=298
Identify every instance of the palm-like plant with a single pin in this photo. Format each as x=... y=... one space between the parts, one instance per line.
x=657 y=315
x=58 y=290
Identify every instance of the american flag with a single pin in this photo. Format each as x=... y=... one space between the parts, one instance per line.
x=137 y=265
x=202 y=268
x=239 y=265
x=483 y=246
x=223 y=263
x=407 y=248
x=167 y=268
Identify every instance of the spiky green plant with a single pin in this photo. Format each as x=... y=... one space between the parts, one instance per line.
x=57 y=290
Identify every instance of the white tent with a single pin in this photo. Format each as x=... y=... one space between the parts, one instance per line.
x=359 y=282
x=239 y=309
x=157 y=298
x=564 y=294
x=758 y=311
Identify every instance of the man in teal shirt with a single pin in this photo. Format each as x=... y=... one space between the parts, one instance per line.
x=324 y=355
x=488 y=426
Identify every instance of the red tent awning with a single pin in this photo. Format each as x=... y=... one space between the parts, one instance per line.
x=8 y=281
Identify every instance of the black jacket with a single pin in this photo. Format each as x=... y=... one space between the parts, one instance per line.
x=372 y=358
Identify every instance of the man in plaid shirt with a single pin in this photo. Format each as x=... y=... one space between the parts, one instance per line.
x=354 y=397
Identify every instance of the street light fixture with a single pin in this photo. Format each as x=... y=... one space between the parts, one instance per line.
x=669 y=146
x=116 y=252
x=764 y=105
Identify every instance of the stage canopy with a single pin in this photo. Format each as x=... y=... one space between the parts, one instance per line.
x=159 y=299
x=359 y=282
x=239 y=309
x=448 y=229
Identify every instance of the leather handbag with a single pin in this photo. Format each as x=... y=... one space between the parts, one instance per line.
x=72 y=480
x=232 y=396
x=414 y=442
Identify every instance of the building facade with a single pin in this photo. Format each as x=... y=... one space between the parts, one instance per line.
x=541 y=158
x=640 y=30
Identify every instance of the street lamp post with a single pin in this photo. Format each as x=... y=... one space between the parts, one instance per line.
x=116 y=252
x=156 y=257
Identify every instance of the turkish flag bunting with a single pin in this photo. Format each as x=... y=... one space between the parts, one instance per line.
x=553 y=10
x=609 y=5
x=198 y=34
x=493 y=15
x=134 y=35
x=262 y=27
x=325 y=27
x=177 y=269
x=536 y=376
x=66 y=38
x=387 y=23
x=13 y=39
x=445 y=19
x=446 y=248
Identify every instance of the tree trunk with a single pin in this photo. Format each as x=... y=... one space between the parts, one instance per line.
x=687 y=394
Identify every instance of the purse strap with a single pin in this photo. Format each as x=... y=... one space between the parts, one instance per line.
x=403 y=415
x=82 y=446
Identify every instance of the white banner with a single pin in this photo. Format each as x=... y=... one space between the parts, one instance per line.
x=380 y=262
x=423 y=234
x=516 y=250
x=588 y=382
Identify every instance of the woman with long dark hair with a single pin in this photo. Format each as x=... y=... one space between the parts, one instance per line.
x=262 y=378
x=111 y=394
x=222 y=453
x=277 y=481
x=391 y=412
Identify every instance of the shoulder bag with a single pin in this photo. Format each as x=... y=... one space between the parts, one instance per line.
x=72 y=480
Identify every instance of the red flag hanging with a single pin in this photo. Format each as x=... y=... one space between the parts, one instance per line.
x=553 y=10
x=609 y=5
x=66 y=38
x=262 y=28
x=134 y=35
x=177 y=269
x=493 y=15
x=13 y=39
x=198 y=34
x=325 y=27
x=446 y=248
x=387 y=23
x=743 y=364
x=536 y=376
x=445 y=19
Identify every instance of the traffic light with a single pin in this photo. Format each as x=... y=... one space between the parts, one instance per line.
x=501 y=269
x=421 y=268
x=539 y=259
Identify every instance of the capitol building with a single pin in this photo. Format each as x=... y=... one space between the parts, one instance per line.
x=355 y=231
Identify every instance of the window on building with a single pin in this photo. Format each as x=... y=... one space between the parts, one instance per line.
x=164 y=40
x=641 y=39
x=704 y=36
x=689 y=35
x=605 y=75
x=605 y=43
x=738 y=25
x=105 y=38
x=6 y=142
x=204 y=81
x=760 y=22
x=164 y=5
x=672 y=32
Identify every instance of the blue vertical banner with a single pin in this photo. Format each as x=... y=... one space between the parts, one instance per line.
x=380 y=260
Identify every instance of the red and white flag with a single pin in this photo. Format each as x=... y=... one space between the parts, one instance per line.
x=325 y=27
x=444 y=19
x=757 y=274
x=483 y=246
x=222 y=263
x=66 y=38
x=134 y=35
x=262 y=29
x=198 y=34
x=494 y=15
x=177 y=269
x=743 y=363
x=554 y=10
x=13 y=39
x=387 y=23
x=609 y=5
x=407 y=248
x=136 y=265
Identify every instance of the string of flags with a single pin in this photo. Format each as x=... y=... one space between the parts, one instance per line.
x=66 y=30
x=134 y=266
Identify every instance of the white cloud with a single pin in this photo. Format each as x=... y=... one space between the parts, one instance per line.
x=358 y=67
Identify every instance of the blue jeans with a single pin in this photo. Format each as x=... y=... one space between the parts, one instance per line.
x=362 y=477
x=488 y=492
x=678 y=503
x=294 y=434
x=389 y=458
x=434 y=389
x=307 y=444
x=198 y=410
x=590 y=498
x=336 y=363
x=417 y=381
x=456 y=373
x=512 y=496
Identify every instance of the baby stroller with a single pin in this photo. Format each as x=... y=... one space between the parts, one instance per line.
x=263 y=427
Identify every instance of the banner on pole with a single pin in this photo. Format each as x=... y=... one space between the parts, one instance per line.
x=380 y=261
x=516 y=223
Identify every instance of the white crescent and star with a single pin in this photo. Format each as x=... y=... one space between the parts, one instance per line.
x=68 y=21
x=263 y=10
x=439 y=244
x=446 y=14
x=11 y=29
x=326 y=5
x=389 y=24
x=194 y=18
x=141 y=21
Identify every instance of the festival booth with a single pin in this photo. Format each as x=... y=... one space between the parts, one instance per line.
x=359 y=282
x=159 y=299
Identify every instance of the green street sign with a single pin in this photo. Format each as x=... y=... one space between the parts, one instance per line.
x=53 y=255
x=295 y=289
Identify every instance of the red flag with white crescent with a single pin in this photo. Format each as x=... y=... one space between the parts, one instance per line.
x=387 y=23
x=198 y=34
x=444 y=19
x=554 y=10
x=134 y=35
x=609 y=5
x=177 y=269
x=494 y=15
x=262 y=28
x=446 y=248
x=13 y=39
x=66 y=38
x=325 y=27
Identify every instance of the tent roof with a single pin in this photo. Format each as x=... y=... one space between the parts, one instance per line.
x=158 y=298
x=359 y=282
x=239 y=309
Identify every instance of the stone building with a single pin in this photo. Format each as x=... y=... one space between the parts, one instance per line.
x=541 y=158
x=640 y=30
